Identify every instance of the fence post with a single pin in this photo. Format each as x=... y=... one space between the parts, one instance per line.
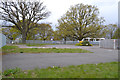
x=114 y=43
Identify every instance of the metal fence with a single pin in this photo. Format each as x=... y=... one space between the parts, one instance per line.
x=94 y=42
x=50 y=42
x=2 y=40
x=109 y=44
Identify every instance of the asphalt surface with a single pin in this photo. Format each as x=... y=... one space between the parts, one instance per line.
x=27 y=61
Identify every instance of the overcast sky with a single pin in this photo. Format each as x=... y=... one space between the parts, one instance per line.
x=107 y=8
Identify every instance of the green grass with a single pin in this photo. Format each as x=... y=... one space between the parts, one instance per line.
x=9 y=47
x=15 y=49
x=101 y=70
x=35 y=44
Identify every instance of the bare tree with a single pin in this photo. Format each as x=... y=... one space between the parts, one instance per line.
x=24 y=15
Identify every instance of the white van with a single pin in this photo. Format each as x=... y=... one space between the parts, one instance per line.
x=93 y=39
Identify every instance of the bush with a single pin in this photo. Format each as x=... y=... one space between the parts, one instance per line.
x=78 y=44
x=83 y=43
x=86 y=43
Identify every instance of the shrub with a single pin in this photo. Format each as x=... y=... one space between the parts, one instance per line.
x=83 y=43
x=78 y=44
x=86 y=43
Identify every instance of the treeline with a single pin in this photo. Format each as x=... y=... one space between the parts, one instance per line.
x=79 y=22
x=45 y=32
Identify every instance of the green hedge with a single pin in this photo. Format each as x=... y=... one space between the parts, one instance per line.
x=83 y=43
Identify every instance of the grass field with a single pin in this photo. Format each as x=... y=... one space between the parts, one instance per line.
x=101 y=70
x=15 y=49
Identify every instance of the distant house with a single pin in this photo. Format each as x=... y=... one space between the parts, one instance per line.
x=2 y=40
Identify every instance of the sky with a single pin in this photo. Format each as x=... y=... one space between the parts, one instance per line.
x=107 y=8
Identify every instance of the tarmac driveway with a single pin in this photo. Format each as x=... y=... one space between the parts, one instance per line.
x=27 y=61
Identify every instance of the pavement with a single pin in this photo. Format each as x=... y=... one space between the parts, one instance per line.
x=27 y=61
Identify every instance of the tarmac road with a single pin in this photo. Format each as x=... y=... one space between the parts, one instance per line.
x=27 y=61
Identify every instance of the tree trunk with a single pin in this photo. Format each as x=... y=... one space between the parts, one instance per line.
x=44 y=40
x=80 y=39
x=65 y=40
x=24 y=37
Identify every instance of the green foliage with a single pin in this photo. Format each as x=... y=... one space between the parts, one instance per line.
x=117 y=34
x=100 y=70
x=10 y=72
x=41 y=32
x=83 y=43
x=81 y=21
x=86 y=43
x=110 y=31
x=57 y=35
x=11 y=33
x=78 y=44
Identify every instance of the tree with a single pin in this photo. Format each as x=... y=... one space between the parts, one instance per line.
x=117 y=34
x=43 y=32
x=81 y=21
x=110 y=30
x=24 y=15
x=56 y=35
x=10 y=33
x=63 y=31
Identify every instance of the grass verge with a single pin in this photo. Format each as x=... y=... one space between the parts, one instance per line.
x=15 y=49
x=101 y=70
